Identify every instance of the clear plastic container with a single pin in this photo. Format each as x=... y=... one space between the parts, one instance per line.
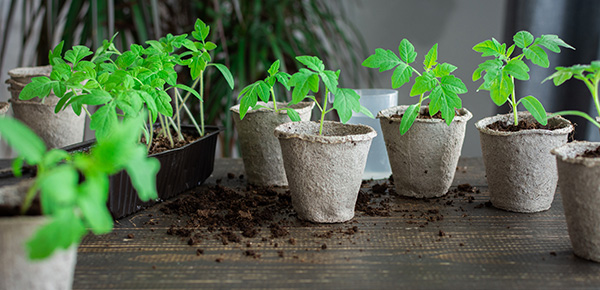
x=378 y=165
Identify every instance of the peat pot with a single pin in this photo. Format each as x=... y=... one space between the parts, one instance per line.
x=324 y=172
x=25 y=74
x=261 y=152
x=181 y=169
x=17 y=271
x=580 y=189
x=521 y=171
x=424 y=159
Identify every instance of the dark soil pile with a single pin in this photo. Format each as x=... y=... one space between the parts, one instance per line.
x=522 y=125
x=160 y=142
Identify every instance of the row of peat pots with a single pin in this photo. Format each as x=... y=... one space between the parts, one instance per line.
x=325 y=171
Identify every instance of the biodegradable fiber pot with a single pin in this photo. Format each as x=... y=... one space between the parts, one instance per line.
x=424 y=159
x=261 y=152
x=56 y=129
x=324 y=172
x=17 y=271
x=580 y=189
x=521 y=171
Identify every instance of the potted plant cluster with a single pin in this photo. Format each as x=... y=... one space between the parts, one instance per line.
x=255 y=121
x=57 y=130
x=578 y=170
x=125 y=84
x=324 y=160
x=520 y=170
x=424 y=158
x=43 y=218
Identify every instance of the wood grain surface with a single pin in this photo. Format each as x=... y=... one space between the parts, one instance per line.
x=472 y=247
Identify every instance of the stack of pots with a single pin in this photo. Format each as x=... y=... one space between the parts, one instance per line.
x=56 y=129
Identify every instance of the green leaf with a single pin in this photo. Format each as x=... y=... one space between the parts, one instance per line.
x=209 y=45
x=489 y=48
x=330 y=80
x=523 y=39
x=443 y=69
x=552 y=42
x=407 y=51
x=17 y=165
x=401 y=75
x=382 y=59
x=346 y=101
x=312 y=62
x=53 y=157
x=445 y=99
x=536 y=109
x=293 y=115
x=431 y=57
x=284 y=79
x=103 y=120
x=142 y=171
x=226 y=73
x=150 y=104
x=38 y=87
x=518 y=69
x=96 y=97
x=366 y=112
x=56 y=52
x=537 y=55
x=77 y=53
x=126 y=59
x=408 y=118
x=250 y=94
x=453 y=84
x=58 y=188
x=489 y=65
x=509 y=51
x=274 y=68
x=63 y=230
x=188 y=89
x=163 y=103
x=22 y=139
x=423 y=83
x=500 y=88
x=559 y=77
x=197 y=66
x=302 y=81
x=64 y=70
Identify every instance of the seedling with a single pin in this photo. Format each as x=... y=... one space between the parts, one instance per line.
x=73 y=188
x=588 y=74
x=264 y=90
x=437 y=80
x=503 y=69
x=307 y=80
x=122 y=82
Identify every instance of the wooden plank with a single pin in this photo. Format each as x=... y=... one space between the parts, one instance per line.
x=481 y=247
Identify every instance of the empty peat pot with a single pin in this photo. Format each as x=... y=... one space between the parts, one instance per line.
x=520 y=170
x=261 y=152
x=324 y=172
x=424 y=159
x=580 y=189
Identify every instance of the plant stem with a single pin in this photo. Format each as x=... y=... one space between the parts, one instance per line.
x=86 y=111
x=576 y=113
x=179 y=134
x=30 y=195
x=151 y=133
x=274 y=100
x=177 y=115
x=166 y=130
x=187 y=95
x=192 y=118
x=514 y=102
x=201 y=103
x=323 y=111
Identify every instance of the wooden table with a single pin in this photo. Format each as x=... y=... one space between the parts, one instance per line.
x=473 y=246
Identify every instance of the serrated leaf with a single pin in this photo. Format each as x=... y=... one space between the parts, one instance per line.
x=284 y=79
x=500 y=88
x=330 y=80
x=300 y=82
x=77 y=53
x=537 y=55
x=96 y=97
x=346 y=101
x=443 y=69
x=523 y=39
x=488 y=48
x=444 y=100
x=150 y=104
x=22 y=139
x=274 y=68
x=407 y=51
x=552 y=42
x=163 y=103
x=559 y=77
x=382 y=59
x=423 y=83
x=408 y=118
x=536 y=109
x=312 y=62
x=55 y=53
x=210 y=45
x=103 y=120
x=38 y=87
x=518 y=69
x=126 y=59
x=401 y=75
x=431 y=57
x=453 y=84
x=293 y=115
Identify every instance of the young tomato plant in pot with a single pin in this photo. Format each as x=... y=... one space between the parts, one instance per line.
x=47 y=216
x=255 y=122
x=434 y=133
x=578 y=170
x=324 y=161
x=520 y=170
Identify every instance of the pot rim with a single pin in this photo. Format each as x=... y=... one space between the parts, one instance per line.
x=482 y=124
x=465 y=116
x=34 y=71
x=568 y=153
x=302 y=106
x=368 y=132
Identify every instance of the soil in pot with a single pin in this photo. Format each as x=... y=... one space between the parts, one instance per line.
x=324 y=172
x=260 y=149
x=521 y=172
x=424 y=159
x=578 y=170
